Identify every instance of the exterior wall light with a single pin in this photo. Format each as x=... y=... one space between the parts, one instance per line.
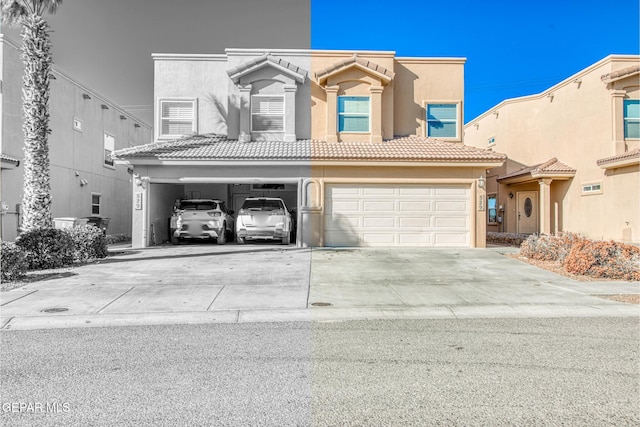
x=481 y=181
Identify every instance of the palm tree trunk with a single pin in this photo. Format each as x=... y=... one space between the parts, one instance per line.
x=38 y=62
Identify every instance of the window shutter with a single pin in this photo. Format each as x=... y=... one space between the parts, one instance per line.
x=267 y=113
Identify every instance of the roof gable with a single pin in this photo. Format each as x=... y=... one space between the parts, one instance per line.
x=296 y=73
x=385 y=76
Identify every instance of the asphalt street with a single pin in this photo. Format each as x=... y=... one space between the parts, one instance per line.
x=567 y=371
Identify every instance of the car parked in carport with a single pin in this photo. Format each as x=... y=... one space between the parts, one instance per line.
x=201 y=219
x=263 y=218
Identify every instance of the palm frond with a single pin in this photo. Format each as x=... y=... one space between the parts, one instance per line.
x=12 y=11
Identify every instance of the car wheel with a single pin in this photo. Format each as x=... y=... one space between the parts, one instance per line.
x=286 y=240
x=175 y=240
x=240 y=240
x=222 y=238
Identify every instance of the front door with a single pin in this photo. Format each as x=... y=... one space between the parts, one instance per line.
x=527 y=212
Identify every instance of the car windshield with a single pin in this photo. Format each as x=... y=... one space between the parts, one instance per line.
x=262 y=205
x=199 y=206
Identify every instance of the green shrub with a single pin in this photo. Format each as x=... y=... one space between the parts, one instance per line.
x=46 y=248
x=14 y=261
x=604 y=259
x=89 y=243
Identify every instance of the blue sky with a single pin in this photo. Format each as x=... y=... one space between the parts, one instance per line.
x=513 y=48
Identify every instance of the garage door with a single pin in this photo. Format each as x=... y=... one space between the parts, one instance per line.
x=396 y=215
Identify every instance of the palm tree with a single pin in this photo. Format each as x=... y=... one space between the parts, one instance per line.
x=37 y=61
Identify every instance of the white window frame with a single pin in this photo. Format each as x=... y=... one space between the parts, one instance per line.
x=193 y=119
x=106 y=164
x=491 y=141
x=77 y=124
x=352 y=114
x=425 y=121
x=495 y=196
x=267 y=114
x=99 y=204
x=627 y=119
x=588 y=188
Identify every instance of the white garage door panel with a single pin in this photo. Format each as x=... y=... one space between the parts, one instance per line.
x=396 y=215
x=413 y=206
x=382 y=222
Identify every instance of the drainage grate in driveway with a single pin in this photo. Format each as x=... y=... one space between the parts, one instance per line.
x=321 y=304
x=55 y=310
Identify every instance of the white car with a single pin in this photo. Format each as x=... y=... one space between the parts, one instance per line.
x=263 y=218
x=201 y=219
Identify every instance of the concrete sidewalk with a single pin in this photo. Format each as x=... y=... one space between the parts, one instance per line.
x=257 y=283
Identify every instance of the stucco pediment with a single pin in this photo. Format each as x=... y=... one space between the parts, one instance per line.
x=254 y=70
x=345 y=67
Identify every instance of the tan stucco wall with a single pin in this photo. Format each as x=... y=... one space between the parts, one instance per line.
x=574 y=121
x=73 y=155
x=415 y=81
x=423 y=80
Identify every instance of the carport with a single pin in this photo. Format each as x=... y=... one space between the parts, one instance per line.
x=162 y=194
x=212 y=166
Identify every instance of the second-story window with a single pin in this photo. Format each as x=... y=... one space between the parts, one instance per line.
x=631 y=118
x=442 y=120
x=109 y=147
x=177 y=118
x=267 y=113
x=353 y=114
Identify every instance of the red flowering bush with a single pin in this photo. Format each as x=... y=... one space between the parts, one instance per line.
x=604 y=259
x=579 y=255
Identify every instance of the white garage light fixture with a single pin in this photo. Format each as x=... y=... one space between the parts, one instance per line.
x=481 y=182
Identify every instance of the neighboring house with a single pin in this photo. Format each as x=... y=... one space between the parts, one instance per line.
x=366 y=147
x=573 y=155
x=85 y=129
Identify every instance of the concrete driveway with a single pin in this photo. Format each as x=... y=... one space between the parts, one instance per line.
x=202 y=283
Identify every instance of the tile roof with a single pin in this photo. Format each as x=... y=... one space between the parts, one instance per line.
x=407 y=148
x=621 y=74
x=6 y=158
x=218 y=147
x=551 y=166
x=236 y=72
x=348 y=62
x=634 y=154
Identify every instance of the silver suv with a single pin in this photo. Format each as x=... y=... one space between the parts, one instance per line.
x=263 y=218
x=201 y=219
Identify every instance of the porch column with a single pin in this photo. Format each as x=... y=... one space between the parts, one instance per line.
x=245 y=114
x=545 y=205
x=290 y=113
x=332 y=113
x=618 y=127
x=376 y=113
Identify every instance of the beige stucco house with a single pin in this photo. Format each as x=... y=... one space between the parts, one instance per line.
x=85 y=128
x=365 y=146
x=573 y=155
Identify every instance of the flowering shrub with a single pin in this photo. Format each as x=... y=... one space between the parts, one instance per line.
x=89 y=242
x=14 y=261
x=46 y=248
x=604 y=259
x=549 y=248
x=579 y=255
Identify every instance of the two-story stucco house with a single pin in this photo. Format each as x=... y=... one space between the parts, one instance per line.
x=573 y=155
x=364 y=145
x=85 y=129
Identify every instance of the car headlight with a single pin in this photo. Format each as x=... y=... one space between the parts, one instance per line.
x=179 y=222
x=214 y=214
